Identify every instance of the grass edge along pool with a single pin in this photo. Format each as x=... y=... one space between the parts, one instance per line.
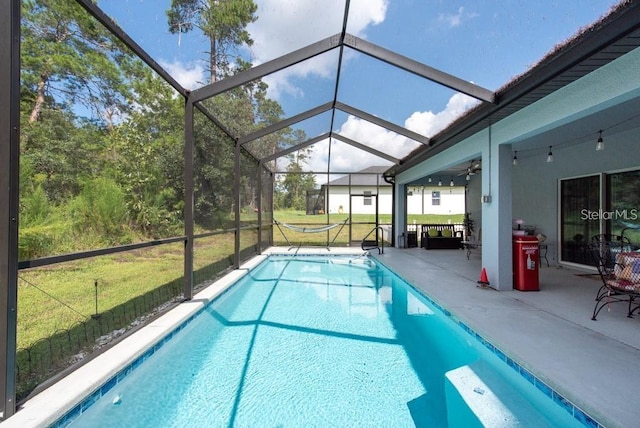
x=455 y=379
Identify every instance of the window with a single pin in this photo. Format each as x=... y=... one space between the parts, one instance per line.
x=367 y=197
x=435 y=197
x=578 y=195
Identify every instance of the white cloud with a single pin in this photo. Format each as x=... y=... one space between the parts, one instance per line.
x=281 y=83
x=189 y=76
x=455 y=20
x=363 y=13
x=348 y=158
x=284 y=26
x=429 y=123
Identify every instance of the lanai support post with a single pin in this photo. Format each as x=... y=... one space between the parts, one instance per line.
x=497 y=215
x=9 y=198
x=400 y=213
x=270 y=205
x=259 y=206
x=188 y=200
x=236 y=195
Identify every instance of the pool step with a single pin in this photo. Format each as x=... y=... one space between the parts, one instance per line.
x=478 y=396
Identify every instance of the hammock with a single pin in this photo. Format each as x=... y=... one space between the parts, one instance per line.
x=318 y=229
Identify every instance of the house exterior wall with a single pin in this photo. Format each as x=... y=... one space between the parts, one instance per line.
x=575 y=161
x=339 y=199
x=535 y=182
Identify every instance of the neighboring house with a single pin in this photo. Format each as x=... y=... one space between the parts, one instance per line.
x=362 y=190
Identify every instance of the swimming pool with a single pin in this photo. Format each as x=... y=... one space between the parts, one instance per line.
x=321 y=341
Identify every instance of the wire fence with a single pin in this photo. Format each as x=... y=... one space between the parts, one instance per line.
x=48 y=356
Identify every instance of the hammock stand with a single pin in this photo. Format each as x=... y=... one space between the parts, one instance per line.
x=310 y=230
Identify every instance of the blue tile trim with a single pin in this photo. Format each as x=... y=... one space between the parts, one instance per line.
x=80 y=408
x=562 y=401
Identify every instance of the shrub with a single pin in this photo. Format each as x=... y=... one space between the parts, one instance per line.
x=101 y=209
x=40 y=229
x=34 y=207
x=39 y=240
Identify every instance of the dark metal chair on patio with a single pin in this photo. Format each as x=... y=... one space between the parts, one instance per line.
x=618 y=240
x=619 y=269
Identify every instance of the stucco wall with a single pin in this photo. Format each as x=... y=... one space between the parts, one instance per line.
x=535 y=182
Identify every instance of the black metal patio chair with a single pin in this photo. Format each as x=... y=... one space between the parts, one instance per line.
x=614 y=243
x=619 y=269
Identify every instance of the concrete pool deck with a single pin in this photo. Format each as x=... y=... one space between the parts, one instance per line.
x=550 y=332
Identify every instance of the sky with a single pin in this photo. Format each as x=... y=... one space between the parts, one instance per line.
x=486 y=42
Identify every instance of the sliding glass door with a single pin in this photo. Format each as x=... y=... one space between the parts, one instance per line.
x=602 y=203
x=622 y=214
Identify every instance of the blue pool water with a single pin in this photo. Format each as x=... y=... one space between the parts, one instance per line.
x=323 y=341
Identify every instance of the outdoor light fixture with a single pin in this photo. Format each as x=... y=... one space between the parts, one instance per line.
x=439 y=182
x=550 y=155
x=451 y=182
x=429 y=179
x=600 y=144
x=468 y=177
x=515 y=158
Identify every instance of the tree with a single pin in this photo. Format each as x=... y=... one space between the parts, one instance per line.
x=70 y=58
x=223 y=22
x=267 y=112
x=63 y=152
x=296 y=182
x=100 y=121
x=146 y=153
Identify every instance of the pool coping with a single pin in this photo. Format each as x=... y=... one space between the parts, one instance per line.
x=70 y=395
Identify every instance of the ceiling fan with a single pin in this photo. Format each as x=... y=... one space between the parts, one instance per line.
x=474 y=167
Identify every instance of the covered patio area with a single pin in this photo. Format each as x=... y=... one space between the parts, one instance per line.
x=549 y=332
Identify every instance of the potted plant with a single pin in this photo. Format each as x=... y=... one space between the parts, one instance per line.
x=468 y=225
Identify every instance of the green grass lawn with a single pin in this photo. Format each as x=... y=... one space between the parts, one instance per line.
x=55 y=297
x=293 y=217
x=361 y=225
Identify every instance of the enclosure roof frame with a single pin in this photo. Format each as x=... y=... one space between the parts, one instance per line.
x=338 y=41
